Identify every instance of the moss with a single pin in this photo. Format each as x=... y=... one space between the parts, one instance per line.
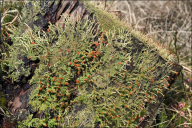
x=3 y=100
x=111 y=72
x=108 y=21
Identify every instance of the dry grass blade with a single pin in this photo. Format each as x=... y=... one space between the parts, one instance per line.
x=6 y=13
x=2 y=111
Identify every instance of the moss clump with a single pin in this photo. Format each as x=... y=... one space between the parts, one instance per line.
x=106 y=20
x=3 y=101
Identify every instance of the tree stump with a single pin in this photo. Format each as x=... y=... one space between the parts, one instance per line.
x=130 y=76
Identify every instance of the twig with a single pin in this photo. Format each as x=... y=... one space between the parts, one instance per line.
x=7 y=80
x=183 y=124
x=170 y=121
x=186 y=68
x=159 y=123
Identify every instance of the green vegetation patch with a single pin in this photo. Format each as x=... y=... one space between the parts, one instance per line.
x=106 y=71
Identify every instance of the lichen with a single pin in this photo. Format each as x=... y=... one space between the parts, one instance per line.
x=110 y=71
